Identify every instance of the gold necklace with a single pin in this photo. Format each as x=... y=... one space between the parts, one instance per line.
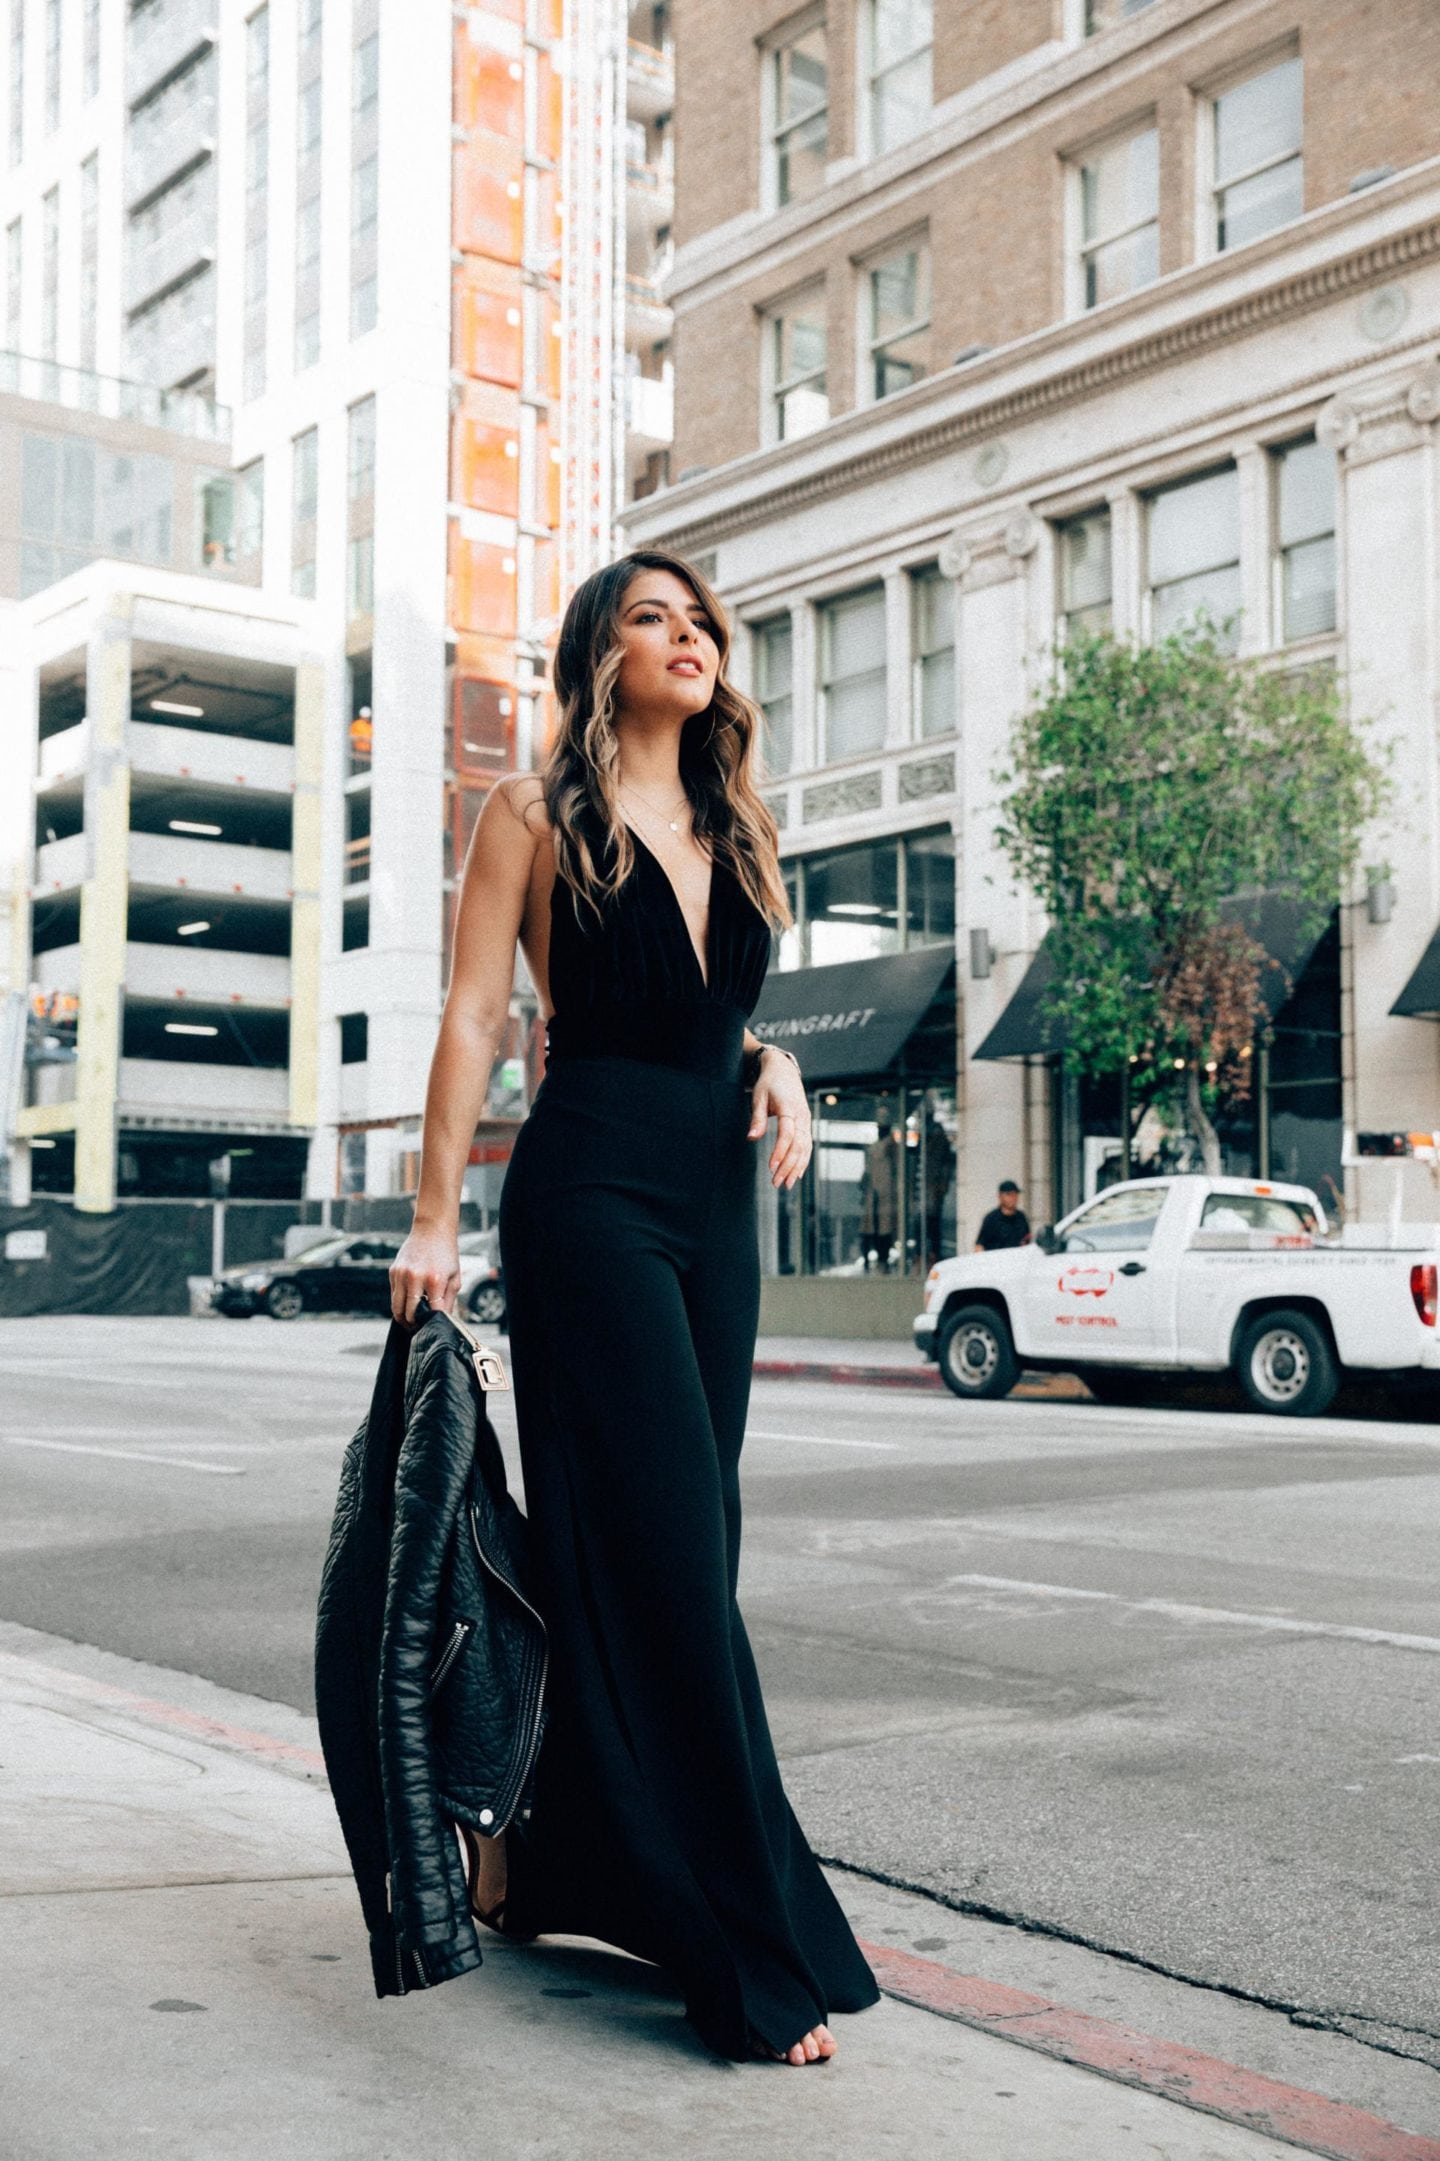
x=673 y=823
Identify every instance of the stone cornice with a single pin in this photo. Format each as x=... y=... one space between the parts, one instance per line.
x=1258 y=309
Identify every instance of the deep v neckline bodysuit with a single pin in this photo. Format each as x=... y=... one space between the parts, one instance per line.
x=631 y=985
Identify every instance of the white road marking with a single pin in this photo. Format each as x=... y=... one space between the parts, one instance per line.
x=817 y=1440
x=1277 y=1623
x=125 y=1455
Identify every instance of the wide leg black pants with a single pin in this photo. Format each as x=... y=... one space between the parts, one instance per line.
x=660 y=1824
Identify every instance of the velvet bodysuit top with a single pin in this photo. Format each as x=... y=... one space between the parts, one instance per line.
x=631 y=986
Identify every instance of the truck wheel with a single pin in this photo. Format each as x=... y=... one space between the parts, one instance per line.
x=976 y=1355
x=1286 y=1365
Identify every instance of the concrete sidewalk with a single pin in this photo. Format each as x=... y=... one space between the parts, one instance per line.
x=188 y=1981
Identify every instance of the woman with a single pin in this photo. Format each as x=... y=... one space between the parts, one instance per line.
x=640 y=874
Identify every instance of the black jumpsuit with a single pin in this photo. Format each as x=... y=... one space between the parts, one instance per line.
x=628 y=1238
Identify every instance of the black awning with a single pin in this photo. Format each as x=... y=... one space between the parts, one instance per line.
x=1274 y=920
x=854 y=1016
x=1420 y=999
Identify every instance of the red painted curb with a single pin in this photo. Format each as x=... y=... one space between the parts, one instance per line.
x=1037 y=1387
x=802 y=1369
x=1166 y=2068
x=105 y=1695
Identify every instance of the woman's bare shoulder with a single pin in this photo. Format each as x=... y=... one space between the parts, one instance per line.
x=519 y=798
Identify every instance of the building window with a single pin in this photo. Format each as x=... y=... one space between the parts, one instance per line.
x=1259 y=182
x=1305 y=532
x=364 y=226
x=775 y=691
x=250 y=520
x=50 y=274
x=216 y=508
x=360 y=574
x=360 y=458
x=52 y=65
x=354 y=1038
x=882 y=896
x=78 y=501
x=801 y=115
x=1085 y=572
x=795 y=337
x=360 y=498
x=91 y=80
x=1194 y=544
x=308 y=185
x=12 y=286
x=89 y=258
x=304 y=504
x=897 y=327
x=1119 y=218
x=852 y=903
x=366 y=86
x=852 y=673
x=257 y=199
x=365 y=182
x=932 y=617
x=169 y=337
x=929 y=867
x=1105 y=14
x=901 y=37
x=17 y=81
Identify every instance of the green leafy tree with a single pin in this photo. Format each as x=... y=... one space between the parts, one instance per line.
x=1151 y=789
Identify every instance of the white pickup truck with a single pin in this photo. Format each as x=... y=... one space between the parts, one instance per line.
x=1185 y=1275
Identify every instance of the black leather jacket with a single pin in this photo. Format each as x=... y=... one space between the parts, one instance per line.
x=430 y=1659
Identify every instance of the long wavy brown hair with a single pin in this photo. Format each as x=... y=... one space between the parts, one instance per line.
x=581 y=776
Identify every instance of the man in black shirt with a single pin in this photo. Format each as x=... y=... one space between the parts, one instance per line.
x=1007 y=1225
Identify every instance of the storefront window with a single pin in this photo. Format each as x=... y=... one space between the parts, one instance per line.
x=930 y=889
x=879 y=1198
x=1288 y=1127
x=852 y=904
x=847 y=901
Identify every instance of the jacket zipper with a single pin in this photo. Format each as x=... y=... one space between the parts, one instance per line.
x=459 y=1635
x=418 y=1961
x=539 y=1697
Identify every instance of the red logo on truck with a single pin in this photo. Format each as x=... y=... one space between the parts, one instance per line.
x=1081 y=1282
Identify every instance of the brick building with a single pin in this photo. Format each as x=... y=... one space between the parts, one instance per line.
x=1000 y=315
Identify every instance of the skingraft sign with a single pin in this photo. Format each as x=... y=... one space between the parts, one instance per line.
x=771 y=1031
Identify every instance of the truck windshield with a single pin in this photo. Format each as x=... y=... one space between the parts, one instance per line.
x=1123 y=1221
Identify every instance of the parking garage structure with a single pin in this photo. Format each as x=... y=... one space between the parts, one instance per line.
x=175 y=910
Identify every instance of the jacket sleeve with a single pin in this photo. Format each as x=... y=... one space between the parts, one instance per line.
x=427 y=1883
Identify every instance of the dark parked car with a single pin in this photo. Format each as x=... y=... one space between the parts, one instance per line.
x=336 y=1275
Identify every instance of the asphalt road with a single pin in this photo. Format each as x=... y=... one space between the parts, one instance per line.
x=1161 y=1682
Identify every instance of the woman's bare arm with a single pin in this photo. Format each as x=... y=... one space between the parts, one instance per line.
x=493 y=892
x=779 y=1091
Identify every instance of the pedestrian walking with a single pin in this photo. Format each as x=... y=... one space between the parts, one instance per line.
x=639 y=872
x=880 y=1191
x=1006 y=1224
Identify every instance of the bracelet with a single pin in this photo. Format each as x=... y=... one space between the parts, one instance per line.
x=753 y=1058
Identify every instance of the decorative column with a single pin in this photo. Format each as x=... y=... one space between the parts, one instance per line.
x=103 y=899
x=1384 y=435
x=991 y=567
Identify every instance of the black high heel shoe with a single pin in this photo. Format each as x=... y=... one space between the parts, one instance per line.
x=491 y=1917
